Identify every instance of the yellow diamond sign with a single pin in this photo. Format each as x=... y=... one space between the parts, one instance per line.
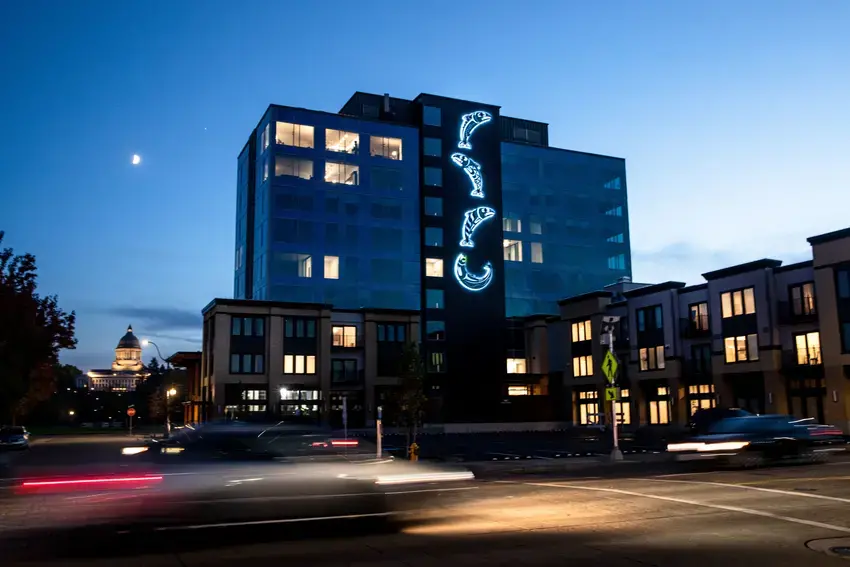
x=612 y=394
x=609 y=366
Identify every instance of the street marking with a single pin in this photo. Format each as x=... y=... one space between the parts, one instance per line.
x=269 y=522
x=801 y=479
x=737 y=509
x=758 y=488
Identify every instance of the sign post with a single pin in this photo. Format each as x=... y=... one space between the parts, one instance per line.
x=610 y=365
x=131 y=411
x=378 y=432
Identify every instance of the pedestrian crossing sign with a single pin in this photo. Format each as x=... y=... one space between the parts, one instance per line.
x=612 y=394
x=609 y=366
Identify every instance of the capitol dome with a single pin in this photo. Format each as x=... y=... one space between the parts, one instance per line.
x=129 y=340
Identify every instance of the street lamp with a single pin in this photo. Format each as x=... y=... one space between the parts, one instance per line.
x=168 y=393
x=71 y=413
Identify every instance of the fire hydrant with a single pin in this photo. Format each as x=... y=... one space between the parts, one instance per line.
x=414 y=452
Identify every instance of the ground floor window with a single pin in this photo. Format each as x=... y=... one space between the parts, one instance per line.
x=701 y=396
x=805 y=398
x=300 y=403
x=587 y=403
x=659 y=407
x=623 y=408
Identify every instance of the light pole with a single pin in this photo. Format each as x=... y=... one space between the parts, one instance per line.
x=168 y=393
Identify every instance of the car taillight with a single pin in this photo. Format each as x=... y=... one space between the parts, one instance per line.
x=345 y=443
x=96 y=483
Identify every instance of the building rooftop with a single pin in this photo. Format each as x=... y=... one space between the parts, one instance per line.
x=830 y=236
x=763 y=264
x=656 y=288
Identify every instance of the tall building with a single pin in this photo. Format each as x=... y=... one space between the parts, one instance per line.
x=436 y=205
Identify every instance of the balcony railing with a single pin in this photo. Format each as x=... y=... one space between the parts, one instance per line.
x=800 y=359
x=797 y=311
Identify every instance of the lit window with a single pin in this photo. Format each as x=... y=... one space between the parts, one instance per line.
x=513 y=250
x=516 y=366
x=536 y=253
x=436 y=362
x=803 y=299
x=342 y=141
x=623 y=408
x=297 y=135
x=293 y=167
x=583 y=366
x=344 y=173
x=331 y=267
x=434 y=206
x=511 y=225
x=652 y=358
x=808 y=348
x=740 y=302
x=741 y=349
x=435 y=330
x=431 y=116
x=581 y=331
x=433 y=176
x=433 y=236
x=432 y=147
x=389 y=148
x=434 y=267
x=699 y=316
x=519 y=391
x=299 y=364
x=588 y=407
x=434 y=299
x=659 y=412
x=344 y=336
x=305 y=266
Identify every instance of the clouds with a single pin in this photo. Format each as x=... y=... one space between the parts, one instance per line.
x=159 y=319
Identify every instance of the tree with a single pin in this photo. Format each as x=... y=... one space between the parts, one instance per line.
x=410 y=398
x=33 y=329
x=156 y=405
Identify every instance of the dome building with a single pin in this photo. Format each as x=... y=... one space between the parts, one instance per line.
x=127 y=369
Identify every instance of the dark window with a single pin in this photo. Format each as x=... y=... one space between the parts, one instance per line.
x=343 y=370
x=845 y=338
x=434 y=299
x=650 y=318
x=387 y=179
x=433 y=176
x=369 y=110
x=432 y=147
x=435 y=330
x=299 y=328
x=247 y=326
x=434 y=206
x=391 y=333
x=842 y=279
x=803 y=299
x=431 y=116
x=247 y=364
x=701 y=359
x=433 y=236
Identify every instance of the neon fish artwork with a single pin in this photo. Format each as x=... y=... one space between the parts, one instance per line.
x=470 y=281
x=468 y=124
x=472 y=219
x=473 y=170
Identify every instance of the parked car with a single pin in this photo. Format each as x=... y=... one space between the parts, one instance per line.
x=702 y=419
x=755 y=440
x=14 y=437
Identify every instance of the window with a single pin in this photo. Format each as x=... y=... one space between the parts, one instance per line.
x=331 y=267
x=536 y=253
x=615 y=212
x=531 y=135
x=842 y=283
x=650 y=319
x=305 y=266
x=369 y=110
x=511 y=225
x=264 y=139
x=513 y=250
x=582 y=366
x=613 y=184
x=652 y=358
x=699 y=316
x=299 y=364
x=436 y=362
x=344 y=336
x=739 y=302
x=659 y=409
x=345 y=173
x=391 y=333
x=845 y=338
x=701 y=396
x=248 y=326
x=588 y=407
x=296 y=135
x=435 y=330
x=387 y=179
x=519 y=390
x=246 y=364
x=389 y=148
x=254 y=395
x=432 y=147
x=581 y=331
x=433 y=267
x=617 y=262
x=299 y=328
x=617 y=238
x=433 y=176
x=808 y=348
x=342 y=141
x=434 y=299
x=516 y=366
x=535 y=227
x=431 y=116
x=344 y=371
x=266 y=169
x=623 y=408
x=803 y=299
x=701 y=359
x=741 y=349
x=434 y=206
x=293 y=167
x=433 y=236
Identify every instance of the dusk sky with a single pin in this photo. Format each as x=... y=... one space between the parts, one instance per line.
x=733 y=117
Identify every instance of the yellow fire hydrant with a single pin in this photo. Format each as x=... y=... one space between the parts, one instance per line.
x=414 y=452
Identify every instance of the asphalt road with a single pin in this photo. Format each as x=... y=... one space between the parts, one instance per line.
x=780 y=516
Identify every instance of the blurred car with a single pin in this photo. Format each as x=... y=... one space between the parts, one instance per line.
x=238 y=474
x=14 y=437
x=703 y=419
x=755 y=440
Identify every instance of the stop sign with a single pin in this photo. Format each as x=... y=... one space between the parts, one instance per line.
x=131 y=411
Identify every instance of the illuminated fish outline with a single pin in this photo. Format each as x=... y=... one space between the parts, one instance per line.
x=470 y=281
x=473 y=170
x=468 y=124
x=471 y=220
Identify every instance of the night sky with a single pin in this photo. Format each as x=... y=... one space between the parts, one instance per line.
x=733 y=118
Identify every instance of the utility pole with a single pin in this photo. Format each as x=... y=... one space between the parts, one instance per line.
x=609 y=369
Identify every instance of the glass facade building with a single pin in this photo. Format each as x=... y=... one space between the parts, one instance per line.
x=335 y=212
x=565 y=225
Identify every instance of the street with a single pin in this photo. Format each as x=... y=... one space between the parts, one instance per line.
x=791 y=515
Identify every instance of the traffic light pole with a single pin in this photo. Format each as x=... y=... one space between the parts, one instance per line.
x=616 y=453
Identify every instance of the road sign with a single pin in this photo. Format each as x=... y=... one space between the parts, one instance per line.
x=131 y=411
x=609 y=366
x=612 y=394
